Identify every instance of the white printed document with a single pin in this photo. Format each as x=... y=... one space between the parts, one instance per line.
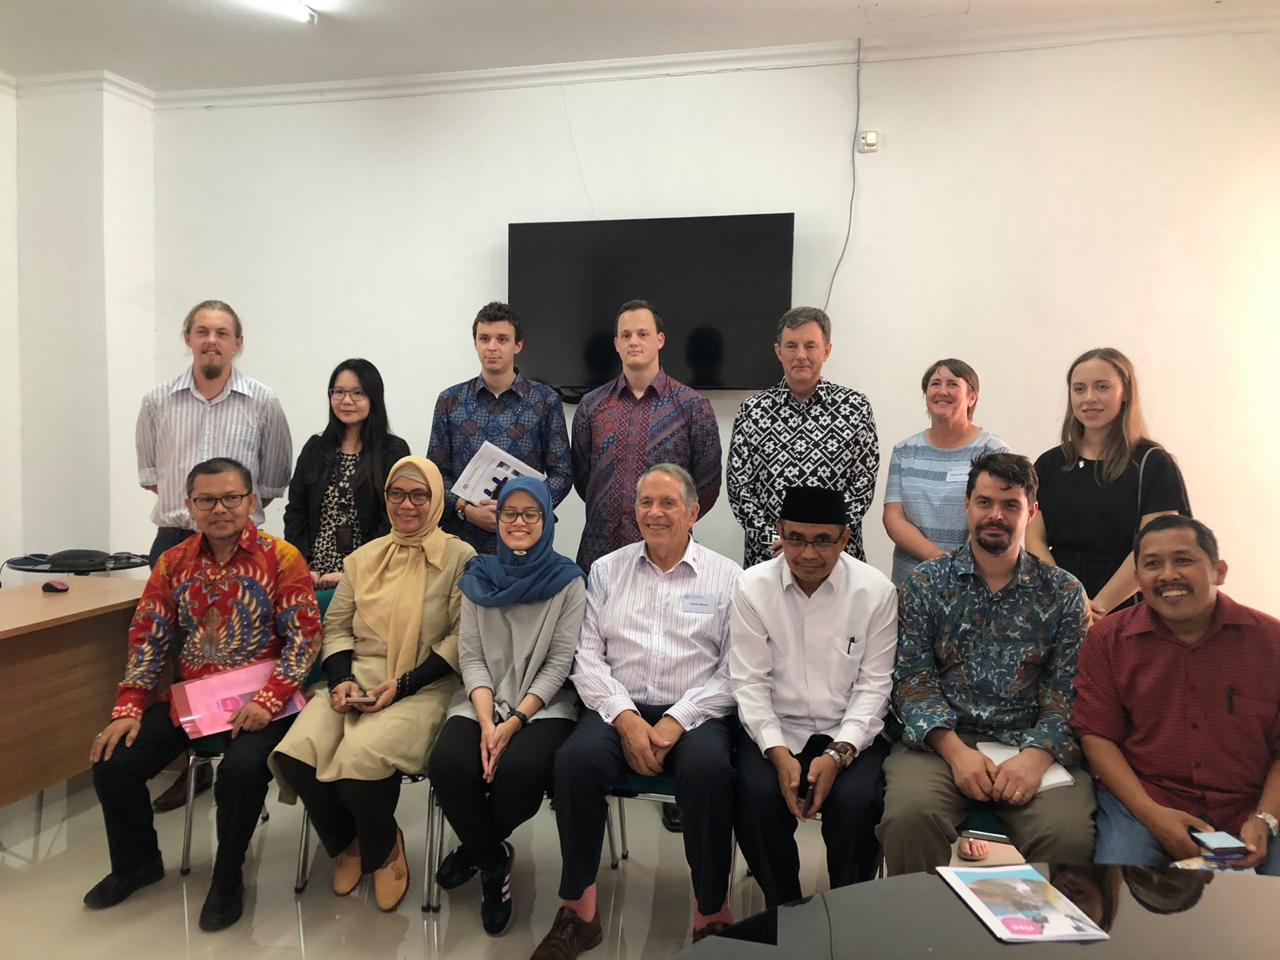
x=1055 y=776
x=488 y=470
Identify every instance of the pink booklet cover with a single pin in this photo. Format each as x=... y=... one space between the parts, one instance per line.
x=206 y=706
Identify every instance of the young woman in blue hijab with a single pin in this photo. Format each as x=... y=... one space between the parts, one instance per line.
x=521 y=613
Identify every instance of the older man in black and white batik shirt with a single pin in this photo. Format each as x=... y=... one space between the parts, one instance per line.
x=805 y=431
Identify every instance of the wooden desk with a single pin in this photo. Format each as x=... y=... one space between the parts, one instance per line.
x=63 y=654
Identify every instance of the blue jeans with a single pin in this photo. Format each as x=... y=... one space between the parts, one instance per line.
x=1121 y=838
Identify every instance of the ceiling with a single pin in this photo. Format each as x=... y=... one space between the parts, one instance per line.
x=192 y=44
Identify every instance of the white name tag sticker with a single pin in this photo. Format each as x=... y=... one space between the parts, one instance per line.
x=698 y=603
x=958 y=474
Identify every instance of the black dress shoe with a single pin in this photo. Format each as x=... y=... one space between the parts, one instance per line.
x=495 y=895
x=116 y=888
x=176 y=795
x=673 y=818
x=455 y=870
x=221 y=909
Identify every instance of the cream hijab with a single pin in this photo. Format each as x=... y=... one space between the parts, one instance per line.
x=389 y=575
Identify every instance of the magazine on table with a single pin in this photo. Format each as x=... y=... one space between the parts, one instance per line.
x=487 y=471
x=1018 y=905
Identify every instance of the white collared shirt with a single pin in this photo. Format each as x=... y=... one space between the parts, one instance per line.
x=178 y=428
x=657 y=638
x=804 y=665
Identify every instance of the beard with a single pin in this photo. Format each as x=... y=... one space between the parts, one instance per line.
x=211 y=367
x=1003 y=538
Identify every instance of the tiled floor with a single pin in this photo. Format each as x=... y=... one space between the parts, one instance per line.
x=52 y=849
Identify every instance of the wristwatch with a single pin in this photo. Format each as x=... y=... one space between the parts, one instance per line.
x=461 y=510
x=1273 y=825
x=521 y=716
x=842 y=753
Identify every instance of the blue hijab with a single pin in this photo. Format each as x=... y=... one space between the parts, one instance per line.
x=506 y=579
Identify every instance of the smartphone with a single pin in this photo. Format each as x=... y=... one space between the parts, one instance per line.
x=1220 y=845
x=984 y=835
x=363 y=701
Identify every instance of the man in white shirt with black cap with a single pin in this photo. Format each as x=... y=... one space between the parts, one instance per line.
x=813 y=634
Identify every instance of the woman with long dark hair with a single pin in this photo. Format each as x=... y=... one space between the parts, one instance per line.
x=335 y=496
x=1104 y=480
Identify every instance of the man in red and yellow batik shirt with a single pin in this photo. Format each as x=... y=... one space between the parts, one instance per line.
x=227 y=597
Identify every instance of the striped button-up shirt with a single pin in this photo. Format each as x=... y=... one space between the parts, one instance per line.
x=178 y=428
x=657 y=638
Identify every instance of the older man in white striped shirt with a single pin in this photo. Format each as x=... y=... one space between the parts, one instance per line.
x=210 y=410
x=652 y=672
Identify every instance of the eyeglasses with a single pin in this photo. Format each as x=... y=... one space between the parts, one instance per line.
x=337 y=393
x=822 y=543
x=228 y=500
x=530 y=515
x=416 y=497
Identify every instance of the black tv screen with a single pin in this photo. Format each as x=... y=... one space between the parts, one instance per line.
x=720 y=284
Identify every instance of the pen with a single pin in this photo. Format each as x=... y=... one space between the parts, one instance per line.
x=1231 y=699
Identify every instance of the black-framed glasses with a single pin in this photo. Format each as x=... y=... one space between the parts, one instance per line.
x=822 y=543
x=337 y=393
x=228 y=500
x=416 y=497
x=530 y=515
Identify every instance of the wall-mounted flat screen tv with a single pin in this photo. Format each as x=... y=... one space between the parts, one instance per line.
x=720 y=284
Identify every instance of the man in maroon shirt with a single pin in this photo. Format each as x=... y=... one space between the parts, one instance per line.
x=1178 y=709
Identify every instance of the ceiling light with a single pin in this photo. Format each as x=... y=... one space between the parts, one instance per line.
x=295 y=10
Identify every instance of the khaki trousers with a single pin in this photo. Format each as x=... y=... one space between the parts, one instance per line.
x=923 y=810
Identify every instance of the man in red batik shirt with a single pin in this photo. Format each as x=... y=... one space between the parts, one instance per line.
x=1178 y=709
x=227 y=597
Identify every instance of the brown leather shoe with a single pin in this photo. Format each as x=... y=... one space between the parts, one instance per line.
x=569 y=937
x=710 y=930
x=346 y=870
x=176 y=795
x=391 y=882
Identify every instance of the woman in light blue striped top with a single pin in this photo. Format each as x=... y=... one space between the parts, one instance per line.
x=924 y=498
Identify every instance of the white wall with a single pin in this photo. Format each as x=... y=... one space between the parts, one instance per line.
x=65 y=452
x=11 y=410
x=1024 y=207
x=128 y=241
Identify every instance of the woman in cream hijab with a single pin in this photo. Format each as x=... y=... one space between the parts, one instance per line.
x=390 y=657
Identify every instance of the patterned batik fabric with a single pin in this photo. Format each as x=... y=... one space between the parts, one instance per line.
x=214 y=617
x=997 y=664
x=337 y=507
x=616 y=437
x=828 y=440
x=527 y=421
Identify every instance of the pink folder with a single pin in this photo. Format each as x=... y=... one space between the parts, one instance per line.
x=206 y=706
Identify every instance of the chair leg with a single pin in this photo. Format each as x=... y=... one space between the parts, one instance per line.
x=304 y=854
x=428 y=878
x=441 y=839
x=733 y=862
x=608 y=830
x=193 y=765
x=622 y=827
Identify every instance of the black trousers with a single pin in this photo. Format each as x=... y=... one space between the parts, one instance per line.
x=346 y=810
x=485 y=814
x=591 y=762
x=239 y=791
x=766 y=828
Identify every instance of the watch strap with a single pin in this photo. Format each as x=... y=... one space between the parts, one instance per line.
x=1273 y=825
